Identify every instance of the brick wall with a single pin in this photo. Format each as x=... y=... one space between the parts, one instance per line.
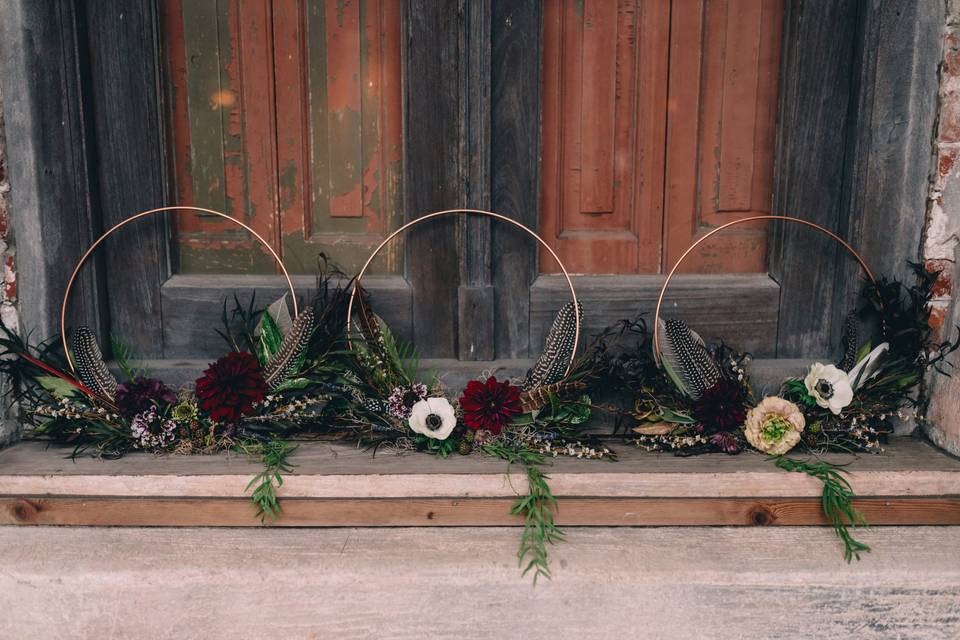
x=8 y=290
x=942 y=233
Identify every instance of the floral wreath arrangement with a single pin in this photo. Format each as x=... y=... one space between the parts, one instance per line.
x=334 y=371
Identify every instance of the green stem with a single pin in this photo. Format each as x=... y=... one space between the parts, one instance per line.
x=274 y=457
x=836 y=501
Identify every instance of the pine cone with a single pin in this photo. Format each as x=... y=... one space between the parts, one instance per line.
x=466 y=447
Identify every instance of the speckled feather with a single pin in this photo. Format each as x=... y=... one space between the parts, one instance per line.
x=91 y=367
x=279 y=367
x=557 y=349
x=686 y=358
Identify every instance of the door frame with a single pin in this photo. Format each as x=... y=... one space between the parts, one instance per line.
x=86 y=144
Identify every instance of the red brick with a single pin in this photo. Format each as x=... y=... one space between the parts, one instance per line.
x=943 y=287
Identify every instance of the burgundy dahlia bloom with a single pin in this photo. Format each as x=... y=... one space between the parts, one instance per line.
x=491 y=405
x=139 y=394
x=231 y=386
x=722 y=407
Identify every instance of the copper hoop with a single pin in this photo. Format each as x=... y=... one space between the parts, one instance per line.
x=490 y=214
x=812 y=225
x=142 y=214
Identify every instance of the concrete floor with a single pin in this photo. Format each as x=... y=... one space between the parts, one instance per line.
x=777 y=582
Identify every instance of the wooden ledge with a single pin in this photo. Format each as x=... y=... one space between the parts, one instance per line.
x=337 y=485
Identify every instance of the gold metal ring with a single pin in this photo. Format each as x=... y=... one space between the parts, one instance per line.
x=142 y=214
x=481 y=212
x=812 y=225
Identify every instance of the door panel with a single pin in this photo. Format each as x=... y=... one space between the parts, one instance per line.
x=658 y=124
x=720 y=131
x=604 y=105
x=286 y=114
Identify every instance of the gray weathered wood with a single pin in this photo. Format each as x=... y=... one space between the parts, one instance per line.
x=857 y=110
x=907 y=468
x=515 y=167
x=65 y=583
x=816 y=95
x=192 y=306
x=740 y=309
x=49 y=160
x=431 y=167
x=128 y=141
x=475 y=325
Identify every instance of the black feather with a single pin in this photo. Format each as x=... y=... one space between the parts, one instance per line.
x=850 y=346
x=91 y=368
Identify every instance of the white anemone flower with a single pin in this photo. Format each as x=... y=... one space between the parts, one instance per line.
x=433 y=417
x=829 y=386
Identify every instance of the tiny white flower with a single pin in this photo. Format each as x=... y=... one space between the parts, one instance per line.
x=829 y=386
x=433 y=417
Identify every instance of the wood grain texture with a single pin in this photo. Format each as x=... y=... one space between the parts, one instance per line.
x=721 y=168
x=206 y=584
x=341 y=471
x=432 y=167
x=464 y=512
x=475 y=310
x=193 y=303
x=129 y=143
x=816 y=94
x=515 y=166
x=713 y=305
x=49 y=160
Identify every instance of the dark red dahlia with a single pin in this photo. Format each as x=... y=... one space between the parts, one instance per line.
x=139 y=394
x=722 y=407
x=231 y=386
x=490 y=405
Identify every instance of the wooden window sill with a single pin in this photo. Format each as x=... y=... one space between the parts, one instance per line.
x=338 y=485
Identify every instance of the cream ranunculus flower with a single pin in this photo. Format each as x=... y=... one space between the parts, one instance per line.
x=829 y=386
x=774 y=426
x=433 y=417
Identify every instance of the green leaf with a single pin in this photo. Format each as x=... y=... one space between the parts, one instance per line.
x=293 y=384
x=864 y=349
x=675 y=417
x=57 y=386
x=270 y=338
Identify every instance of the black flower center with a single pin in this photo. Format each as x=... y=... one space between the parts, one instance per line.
x=410 y=398
x=824 y=388
x=434 y=422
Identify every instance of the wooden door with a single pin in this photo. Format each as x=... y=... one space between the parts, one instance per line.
x=286 y=113
x=658 y=124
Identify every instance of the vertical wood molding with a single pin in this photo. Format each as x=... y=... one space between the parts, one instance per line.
x=476 y=319
x=47 y=130
x=128 y=145
x=431 y=167
x=857 y=110
x=515 y=165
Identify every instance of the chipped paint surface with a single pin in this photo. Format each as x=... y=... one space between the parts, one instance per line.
x=942 y=235
x=288 y=118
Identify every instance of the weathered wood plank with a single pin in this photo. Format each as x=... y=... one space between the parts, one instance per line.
x=472 y=512
x=515 y=166
x=432 y=167
x=907 y=468
x=740 y=309
x=722 y=583
x=192 y=306
x=49 y=160
x=129 y=143
x=816 y=93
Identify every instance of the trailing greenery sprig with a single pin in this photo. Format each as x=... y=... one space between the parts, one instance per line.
x=837 y=501
x=537 y=508
x=274 y=455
